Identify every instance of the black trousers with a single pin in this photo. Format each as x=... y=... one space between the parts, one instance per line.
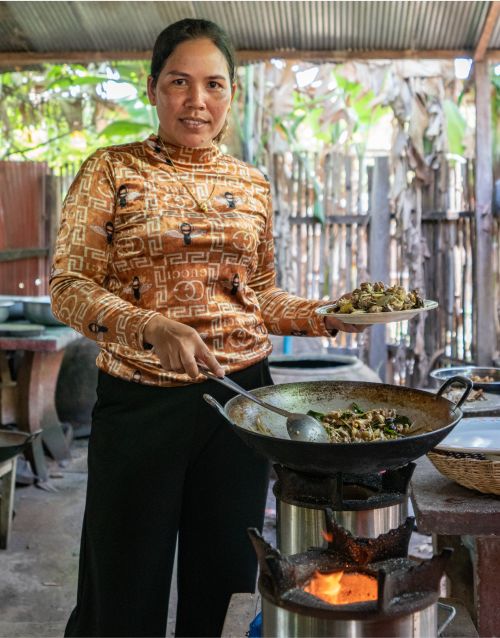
x=162 y=464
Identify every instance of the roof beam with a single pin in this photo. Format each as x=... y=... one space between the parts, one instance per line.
x=341 y=56
x=489 y=25
x=244 y=56
x=17 y=60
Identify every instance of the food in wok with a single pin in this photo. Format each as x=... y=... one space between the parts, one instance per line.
x=377 y=297
x=355 y=425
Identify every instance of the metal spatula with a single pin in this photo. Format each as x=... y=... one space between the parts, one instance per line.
x=300 y=427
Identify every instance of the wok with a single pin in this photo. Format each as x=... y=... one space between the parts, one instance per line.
x=441 y=374
x=433 y=415
x=12 y=443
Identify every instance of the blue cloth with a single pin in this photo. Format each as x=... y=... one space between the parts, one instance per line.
x=255 y=629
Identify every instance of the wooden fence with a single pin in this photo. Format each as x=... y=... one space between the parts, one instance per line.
x=30 y=203
x=25 y=192
x=333 y=228
x=326 y=222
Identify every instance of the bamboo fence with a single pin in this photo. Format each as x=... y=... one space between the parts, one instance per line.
x=324 y=216
x=324 y=222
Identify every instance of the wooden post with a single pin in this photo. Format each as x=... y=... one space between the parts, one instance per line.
x=379 y=256
x=483 y=284
x=8 y=483
x=52 y=214
x=249 y=115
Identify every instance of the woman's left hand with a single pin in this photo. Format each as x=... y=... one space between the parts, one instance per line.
x=332 y=323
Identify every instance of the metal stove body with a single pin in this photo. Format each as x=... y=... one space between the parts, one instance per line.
x=365 y=505
x=280 y=622
x=407 y=591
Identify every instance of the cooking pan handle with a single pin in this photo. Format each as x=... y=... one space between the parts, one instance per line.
x=239 y=390
x=452 y=612
x=215 y=404
x=29 y=439
x=467 y=383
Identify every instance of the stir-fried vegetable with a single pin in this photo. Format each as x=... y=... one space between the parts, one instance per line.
x=357 y=426
x=377 y=298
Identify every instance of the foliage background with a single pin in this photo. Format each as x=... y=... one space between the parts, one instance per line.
x=60 y=113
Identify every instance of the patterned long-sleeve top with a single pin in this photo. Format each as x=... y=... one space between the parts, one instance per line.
x=133 y=243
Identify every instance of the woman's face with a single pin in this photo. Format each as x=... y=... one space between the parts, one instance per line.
x=193 y=94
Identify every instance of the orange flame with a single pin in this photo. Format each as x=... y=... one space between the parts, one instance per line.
x=343 y=588
x=327 y=536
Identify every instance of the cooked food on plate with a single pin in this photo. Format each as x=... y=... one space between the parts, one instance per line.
x=476 y=378
x=377 y=297
x=454 y=394
x=354 y=425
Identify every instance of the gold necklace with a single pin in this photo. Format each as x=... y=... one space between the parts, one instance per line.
x=202 y=204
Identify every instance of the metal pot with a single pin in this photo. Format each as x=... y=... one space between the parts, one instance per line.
x=38 y=310
x=13 y=443
x=5 y=307
x=293 y=368
x=434 y=415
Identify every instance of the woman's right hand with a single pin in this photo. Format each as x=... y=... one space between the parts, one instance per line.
x=179 y=347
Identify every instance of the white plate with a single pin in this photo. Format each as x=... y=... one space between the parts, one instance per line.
x=477 y=436
x=377 y=317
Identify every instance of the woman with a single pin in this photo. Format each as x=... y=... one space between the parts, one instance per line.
x=165 y=257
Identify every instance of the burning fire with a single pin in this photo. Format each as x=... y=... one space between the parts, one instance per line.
x=343 y=588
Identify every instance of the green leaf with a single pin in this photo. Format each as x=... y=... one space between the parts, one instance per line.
x=125 y=128
x=318 y=210
x=317 y=415
x=76 y=80
x=455 y=127
x=355 y=408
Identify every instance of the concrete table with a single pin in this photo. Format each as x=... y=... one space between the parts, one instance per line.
x=469 y=522
x=36 y=388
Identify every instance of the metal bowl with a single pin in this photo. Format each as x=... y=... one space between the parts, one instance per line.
x=13 y=443
x=5 y=307
x=442 y=374
x=38 y=310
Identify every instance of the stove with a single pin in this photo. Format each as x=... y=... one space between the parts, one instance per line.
x=365 y=505
x=394 y=595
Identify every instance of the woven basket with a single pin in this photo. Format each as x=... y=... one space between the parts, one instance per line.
x=470 y=470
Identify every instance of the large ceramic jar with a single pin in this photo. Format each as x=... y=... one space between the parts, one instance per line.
x=294 y=368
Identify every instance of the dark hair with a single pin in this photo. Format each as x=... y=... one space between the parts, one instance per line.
x=190 y=29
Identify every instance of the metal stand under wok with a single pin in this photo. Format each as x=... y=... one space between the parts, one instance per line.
x=365 y=505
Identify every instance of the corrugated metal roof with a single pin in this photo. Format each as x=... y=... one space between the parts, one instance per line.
x=43 y=27
x=495 y=37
